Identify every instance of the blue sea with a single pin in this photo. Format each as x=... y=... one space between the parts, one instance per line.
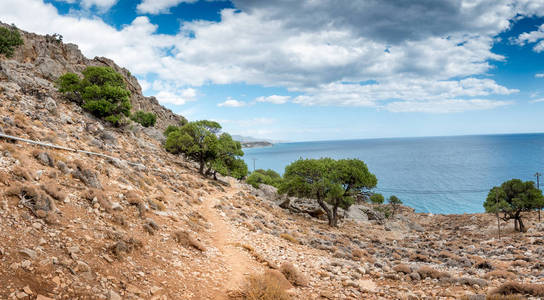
x=446 y=175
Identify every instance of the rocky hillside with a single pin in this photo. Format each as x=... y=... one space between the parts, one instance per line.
x=76 y=226
x=42 y=59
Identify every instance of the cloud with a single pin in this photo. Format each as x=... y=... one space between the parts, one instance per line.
x=155 y=7
x=178 y=98
x=415 y=91
x=102 y=5
x=388 y=21
x=445 y=106
x=536 y=36
x=275 y=99
x=232 y=103
x=318 y=49
x=539 y=75
x=537 y=100
x=250 y=122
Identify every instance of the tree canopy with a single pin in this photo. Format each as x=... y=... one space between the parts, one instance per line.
x=269 y=177
x=102 y=92
x=512 y=198
x=226 y=161
x=200 y=142
x=326 y=180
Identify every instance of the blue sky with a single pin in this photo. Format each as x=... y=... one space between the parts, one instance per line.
x=316 y=70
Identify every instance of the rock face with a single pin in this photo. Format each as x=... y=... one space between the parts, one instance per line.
x=41 y=60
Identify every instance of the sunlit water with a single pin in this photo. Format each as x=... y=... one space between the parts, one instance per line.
x=431 y=174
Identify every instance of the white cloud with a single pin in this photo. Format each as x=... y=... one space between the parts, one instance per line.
x=539 y=75
x=101 y=4
x=275 y=99
x=159 y=6
x=316 y=48
x=536 y=36
x=248 y=122
x=445 y=106
x=537 y=100
x=415 y=91
x=232 y=103
x=178 y=98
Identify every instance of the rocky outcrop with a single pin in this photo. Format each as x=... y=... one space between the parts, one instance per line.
x=41 y=60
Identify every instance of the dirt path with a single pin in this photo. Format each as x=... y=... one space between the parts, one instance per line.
x=224 y=239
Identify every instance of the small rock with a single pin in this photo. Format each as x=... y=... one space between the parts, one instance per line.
x=114 y=296
x=154 y=290
x=41 y=297
x=27 y=290
x=28 y=252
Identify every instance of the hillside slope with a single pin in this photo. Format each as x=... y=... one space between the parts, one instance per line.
x=76 y=226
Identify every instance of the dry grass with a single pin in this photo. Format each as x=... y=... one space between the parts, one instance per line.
x=494 y=297
x=293 y=275
x=402 y=268
x=34 y=199
x=53 y=190
x=125 y=246
x=100 y=197
x=22 y=173
x=501 y=297
x=265 y=287
x=420 y=258
x=187 y=240
x=500 y=274
x=290 y=238
x=358 y=253
x=257 y=256
x=425 y=271
x=512 y=288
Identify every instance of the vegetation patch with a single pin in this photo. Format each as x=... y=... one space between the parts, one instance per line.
x=214 y=152
x=187 y=240
x=10 y=38
x=146 y=119
x=102 y=92
x=265 y=287
x=512 y=288
x=269 y=177
x=293 y=275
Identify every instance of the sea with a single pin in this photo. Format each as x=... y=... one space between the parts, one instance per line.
x=438 y=175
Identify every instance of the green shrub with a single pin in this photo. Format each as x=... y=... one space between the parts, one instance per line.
x=146 y=119
x=9 y=40
x=385 y=210
x=377 y=198
x=269 y=177
x=102 y=92
x=394 y=200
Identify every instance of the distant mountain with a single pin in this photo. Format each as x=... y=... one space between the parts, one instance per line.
x=247 y=139
x=251 y=142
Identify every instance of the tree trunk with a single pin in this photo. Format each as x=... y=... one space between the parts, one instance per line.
x=521 y=225
x=334 y=222
x=202 y=164
x=516 y=224
x=326 y=209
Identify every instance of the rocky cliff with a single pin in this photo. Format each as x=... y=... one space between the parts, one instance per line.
x=42 y=59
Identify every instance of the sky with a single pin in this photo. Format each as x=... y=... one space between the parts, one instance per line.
x=300 y=70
